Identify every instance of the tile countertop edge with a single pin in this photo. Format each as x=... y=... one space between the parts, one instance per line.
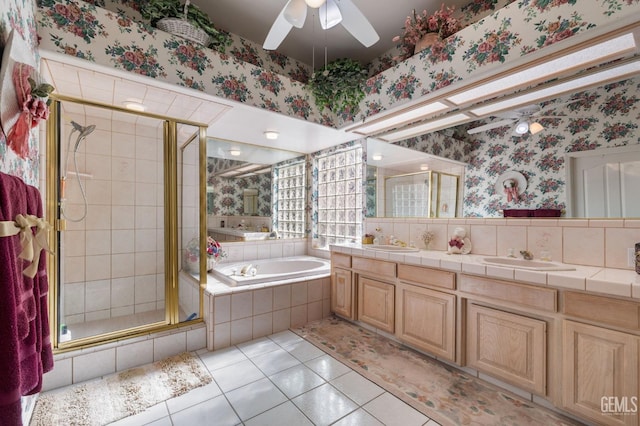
x=608 y=281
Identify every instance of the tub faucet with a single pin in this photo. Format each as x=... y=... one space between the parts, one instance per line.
x=526 y=254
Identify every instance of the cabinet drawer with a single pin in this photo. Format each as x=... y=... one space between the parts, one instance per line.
x=341 y=260
x=428 y=276
x=545 y=299
x=380 y=268
x=621 y=313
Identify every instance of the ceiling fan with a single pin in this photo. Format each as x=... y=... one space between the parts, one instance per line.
x=330 y=13
x=525 y=120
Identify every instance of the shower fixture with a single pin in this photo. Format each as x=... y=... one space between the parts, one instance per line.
x=83 y=132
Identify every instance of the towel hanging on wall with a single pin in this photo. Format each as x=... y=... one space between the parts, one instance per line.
x=24 y=323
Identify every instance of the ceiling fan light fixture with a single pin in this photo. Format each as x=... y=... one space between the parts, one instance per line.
x=522 y=127
x=535 y=127
x=315 y=3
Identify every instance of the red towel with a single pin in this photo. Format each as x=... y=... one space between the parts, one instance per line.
x=24 y=355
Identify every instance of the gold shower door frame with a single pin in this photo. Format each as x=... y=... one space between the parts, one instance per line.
x=171 y=225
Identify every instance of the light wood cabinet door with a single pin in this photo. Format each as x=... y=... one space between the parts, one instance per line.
x=342 y=293
x=376 y=303
x=507 y=346
x=600 y=371
x=426 y=319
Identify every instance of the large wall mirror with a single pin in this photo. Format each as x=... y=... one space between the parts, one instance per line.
x=404 y=183
x=599 y=121
x=240 y=179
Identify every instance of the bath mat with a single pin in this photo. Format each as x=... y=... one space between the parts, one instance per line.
x=102 y=401
x=441 y=392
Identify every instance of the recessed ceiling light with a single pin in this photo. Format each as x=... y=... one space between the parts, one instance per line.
x=376 y=157
x=134 y=105
x=271 y=134
x=424 y=167
x=235 y=152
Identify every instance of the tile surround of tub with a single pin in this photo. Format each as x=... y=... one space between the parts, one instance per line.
x=589 y=242
x=245 y=315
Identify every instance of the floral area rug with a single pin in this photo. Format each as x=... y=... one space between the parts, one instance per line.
x=113 y=397
x=441 y=392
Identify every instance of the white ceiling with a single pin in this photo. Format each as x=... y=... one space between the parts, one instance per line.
x=252 y=20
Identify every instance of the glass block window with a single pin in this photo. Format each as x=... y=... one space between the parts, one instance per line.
x=338 y=209
x=289 y=202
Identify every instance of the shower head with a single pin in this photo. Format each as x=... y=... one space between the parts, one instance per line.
x=84 y=130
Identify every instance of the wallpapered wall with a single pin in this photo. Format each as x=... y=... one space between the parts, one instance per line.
x=19 y=15
x=227 y=192
x=518 y=29
x=604 y=117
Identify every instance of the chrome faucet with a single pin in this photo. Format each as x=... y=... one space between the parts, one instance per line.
x=526 y=254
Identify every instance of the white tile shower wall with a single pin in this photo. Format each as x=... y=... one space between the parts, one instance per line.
x=113 y=259
x=241 y=316
x=89 y=363
x=589 y=242
x=267 y=249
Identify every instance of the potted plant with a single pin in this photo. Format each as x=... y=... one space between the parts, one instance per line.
x=339 y=85
x=439 y=25
x=186 y=21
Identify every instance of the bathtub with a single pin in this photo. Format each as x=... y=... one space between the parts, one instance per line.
x=267 y=270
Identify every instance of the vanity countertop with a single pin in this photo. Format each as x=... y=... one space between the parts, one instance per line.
x=609 y=281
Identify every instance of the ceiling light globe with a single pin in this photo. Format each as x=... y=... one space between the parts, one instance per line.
x=315 y=3
x=522 y=128
x=535 y=127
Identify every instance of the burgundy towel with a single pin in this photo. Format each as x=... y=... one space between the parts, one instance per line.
x=20 y=361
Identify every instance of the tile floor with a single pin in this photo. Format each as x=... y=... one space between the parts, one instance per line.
x=280 y=380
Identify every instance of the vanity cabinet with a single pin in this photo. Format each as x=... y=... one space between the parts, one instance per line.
x=426 y=319
x=600 y=370
x=508 y=346
x=342 y=286
x=376 y=303
x=600 y=366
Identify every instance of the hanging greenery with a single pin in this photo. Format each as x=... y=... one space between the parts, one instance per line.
x=155 y=10
x=339 y=86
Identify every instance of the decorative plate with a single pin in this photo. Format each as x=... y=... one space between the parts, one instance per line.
x=513 y=175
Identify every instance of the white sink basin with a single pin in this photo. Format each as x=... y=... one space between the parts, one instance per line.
x=532 y=265
x=390 y=248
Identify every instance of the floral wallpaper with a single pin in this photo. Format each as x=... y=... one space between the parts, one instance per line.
x=604 y=117
x=228 y=192
x=115 y=39
x=467 y=15
x=19 y=16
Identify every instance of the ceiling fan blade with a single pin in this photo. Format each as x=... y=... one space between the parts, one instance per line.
x=278 y=31
x=357 y=24
x=295 y=12
x=490 y=126
x=329 y=15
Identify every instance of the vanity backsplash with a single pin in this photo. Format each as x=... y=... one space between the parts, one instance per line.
x=590 y=242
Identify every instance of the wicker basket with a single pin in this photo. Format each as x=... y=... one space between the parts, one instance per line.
x=183 y=28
